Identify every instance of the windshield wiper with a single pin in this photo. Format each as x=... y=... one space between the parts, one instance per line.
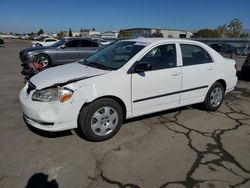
x=97 y=65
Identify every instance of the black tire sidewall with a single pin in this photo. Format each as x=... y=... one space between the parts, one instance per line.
x=207 y=103
x=87 y=113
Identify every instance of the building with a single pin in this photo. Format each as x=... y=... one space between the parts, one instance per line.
x=109 y=35
x=166 y=33
x=89 y=33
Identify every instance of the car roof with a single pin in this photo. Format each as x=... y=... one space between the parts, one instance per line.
x=160 y=40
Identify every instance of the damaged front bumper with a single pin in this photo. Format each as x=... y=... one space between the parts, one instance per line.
x=49 y=116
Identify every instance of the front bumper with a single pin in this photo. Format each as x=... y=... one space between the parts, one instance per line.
x=49 y=116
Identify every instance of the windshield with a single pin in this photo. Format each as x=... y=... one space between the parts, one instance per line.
x=113 y=56
x=59 y=43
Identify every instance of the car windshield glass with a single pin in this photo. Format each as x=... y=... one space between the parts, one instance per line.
x=113 y=56
x=59 y=43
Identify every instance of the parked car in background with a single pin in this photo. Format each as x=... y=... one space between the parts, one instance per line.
x=226 y=50
x=45 y=42
x=1 y=41
x=126 y=79
x=245 y=69
x=64 y=51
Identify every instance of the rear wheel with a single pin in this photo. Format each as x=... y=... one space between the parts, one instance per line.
x=214 y=97
x=101 y=119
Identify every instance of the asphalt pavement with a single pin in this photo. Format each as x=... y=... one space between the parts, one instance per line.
x=185 y=147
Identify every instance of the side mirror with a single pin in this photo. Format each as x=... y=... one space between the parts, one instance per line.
x=63 y=46
x=141 y=67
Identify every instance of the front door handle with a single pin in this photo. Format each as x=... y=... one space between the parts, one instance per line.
x=176 y=73
x=210 y=68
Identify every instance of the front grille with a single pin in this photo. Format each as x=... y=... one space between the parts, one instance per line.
x=31 y=87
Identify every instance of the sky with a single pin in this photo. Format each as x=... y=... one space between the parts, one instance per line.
x=53 y=16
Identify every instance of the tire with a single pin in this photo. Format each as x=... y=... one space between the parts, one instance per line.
x=214 y=97
x=43 y=60
x=38 y=45
x=101 y=119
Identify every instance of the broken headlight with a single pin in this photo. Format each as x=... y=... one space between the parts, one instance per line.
x=52 y=94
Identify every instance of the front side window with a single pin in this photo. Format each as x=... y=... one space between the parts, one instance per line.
x=72 y=44
x=161 y=57
x=194 y=55
x=114 y=56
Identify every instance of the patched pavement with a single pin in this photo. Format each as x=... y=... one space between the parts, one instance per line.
x=185 y=147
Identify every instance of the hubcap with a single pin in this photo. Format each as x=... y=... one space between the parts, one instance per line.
x=216 y=97
x=104 y=121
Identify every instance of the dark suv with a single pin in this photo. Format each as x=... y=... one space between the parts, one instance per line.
x=64 y=51
x=225 y=50
x=245 y=69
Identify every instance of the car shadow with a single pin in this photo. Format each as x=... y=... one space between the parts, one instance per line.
x=40 y=180
x=143 y=117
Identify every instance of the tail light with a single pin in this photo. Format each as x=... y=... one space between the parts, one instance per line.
x=235 y=66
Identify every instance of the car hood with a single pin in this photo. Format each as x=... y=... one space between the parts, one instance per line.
x=65 y=74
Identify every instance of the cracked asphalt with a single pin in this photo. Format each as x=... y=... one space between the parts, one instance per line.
x=185 y=147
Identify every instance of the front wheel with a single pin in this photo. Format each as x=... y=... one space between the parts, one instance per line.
x=214 y=97
x=42 y=61
x=101 y=119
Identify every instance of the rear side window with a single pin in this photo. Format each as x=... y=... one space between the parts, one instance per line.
x=88 y=43
x=194 y=55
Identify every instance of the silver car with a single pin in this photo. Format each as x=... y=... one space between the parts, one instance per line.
x=64 y=51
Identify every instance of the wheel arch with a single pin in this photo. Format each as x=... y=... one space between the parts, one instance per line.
x=117 y=99
x=223 y=83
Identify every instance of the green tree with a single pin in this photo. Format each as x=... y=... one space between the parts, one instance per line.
x=208 y=33
x=157 y=33
x=70 y=33
x=124 y=33
x=40 y=32
x=235 y=28
x=223 y=30
x=93 y=29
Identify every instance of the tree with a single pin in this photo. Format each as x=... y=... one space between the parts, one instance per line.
x=93 y=29
x=61 y=34
x=124 y=33
x=70 y=33
x=157 y=33
x=40 y=32
x=223 y=30
x=208 y=33
x=235 y=28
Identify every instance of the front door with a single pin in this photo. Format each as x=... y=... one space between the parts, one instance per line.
x=158 y=88
x=69 y=53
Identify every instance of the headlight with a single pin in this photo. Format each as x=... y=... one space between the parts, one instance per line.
x=52 y=94
x=29 y=53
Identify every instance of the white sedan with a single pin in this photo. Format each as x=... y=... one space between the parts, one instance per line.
x=45 y=42
x=126 y=79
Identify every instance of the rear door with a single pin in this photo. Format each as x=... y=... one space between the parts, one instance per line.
x=69 y=53
x=198 y=69
x=87 y=47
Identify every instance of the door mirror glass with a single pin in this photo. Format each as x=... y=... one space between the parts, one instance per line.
x=142 y=66
x=63 y=46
